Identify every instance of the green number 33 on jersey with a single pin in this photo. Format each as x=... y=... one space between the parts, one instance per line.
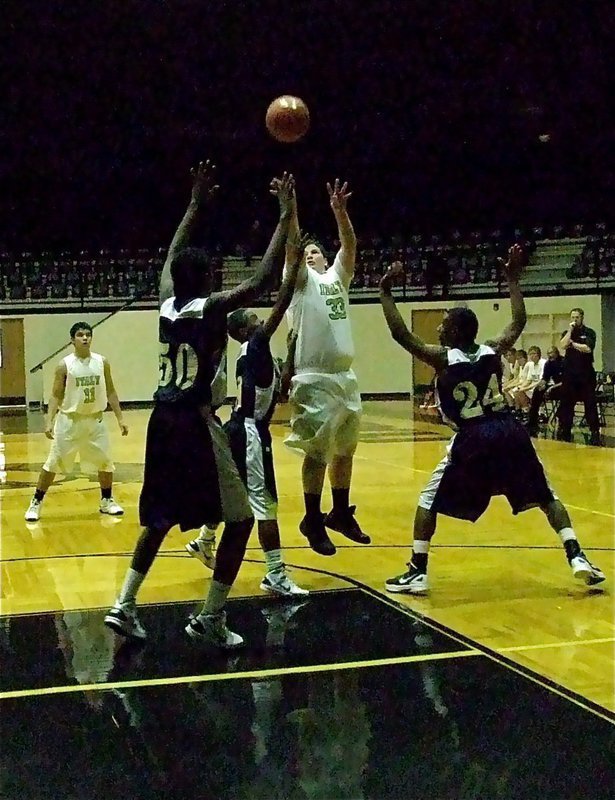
x=467 y=393
x=338 y=307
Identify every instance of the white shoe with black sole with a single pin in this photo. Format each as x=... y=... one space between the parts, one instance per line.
x=411 y=582
x=584 y=570
x=211 y=629
x=124 y=620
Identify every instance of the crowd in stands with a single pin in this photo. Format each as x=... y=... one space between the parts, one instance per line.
x=429 y=261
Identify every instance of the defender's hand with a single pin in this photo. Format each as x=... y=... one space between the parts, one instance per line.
x=203 y=186
x=513 y=268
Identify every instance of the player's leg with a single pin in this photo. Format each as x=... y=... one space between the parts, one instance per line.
x=210 y=624
x=342 y=517
x=314 y=408
x=459 y=487
x=414 y=581
x=203 y=547
x=95 y=448
x=559 y=519
x=45 y=479
x=107 y=504
x=526 y=486
x=344 y=444
x=122 y=617
x=61 y=456
x=312 y=525
x=257 y=458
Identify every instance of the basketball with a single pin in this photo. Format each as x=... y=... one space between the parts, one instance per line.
x=287 y=119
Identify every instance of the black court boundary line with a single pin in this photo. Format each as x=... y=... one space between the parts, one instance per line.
x=494 y=655
x=177 y=553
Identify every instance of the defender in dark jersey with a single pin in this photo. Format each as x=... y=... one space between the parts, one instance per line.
x=248 y=432
x=491 y=453
x=190 y=476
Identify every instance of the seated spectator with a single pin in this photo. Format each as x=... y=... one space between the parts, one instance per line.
x=510 y=369
x=511 y=386
x=548 y=387
x=529 y=378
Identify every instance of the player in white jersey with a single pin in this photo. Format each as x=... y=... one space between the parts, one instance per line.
x=82 y=387
x=324 y=395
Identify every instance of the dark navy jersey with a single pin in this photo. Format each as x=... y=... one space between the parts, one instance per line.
x=469 y=388
x=192 y=353
x=257 y=378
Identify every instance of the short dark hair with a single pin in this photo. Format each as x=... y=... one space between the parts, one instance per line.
x=465 y=322
x=79 y=326
x=535 y=349
x=188 y=267
x=580 y=310
x=236 y=321
x=522 y=353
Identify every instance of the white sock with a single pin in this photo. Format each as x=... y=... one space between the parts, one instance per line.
x=132 y=584
x=420 y=546
x=207 y=535
x=216 y=599
x=273 y=560
x=566 y=534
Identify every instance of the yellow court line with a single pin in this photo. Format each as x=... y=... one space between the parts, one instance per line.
x=521 y=647
x=228 y=676
x=591 y=511
x=541 y=680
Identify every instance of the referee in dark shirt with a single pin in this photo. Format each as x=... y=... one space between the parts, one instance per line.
x=578 y=377
x=550 y=386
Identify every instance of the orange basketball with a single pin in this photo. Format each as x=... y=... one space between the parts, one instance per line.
x=288 y=118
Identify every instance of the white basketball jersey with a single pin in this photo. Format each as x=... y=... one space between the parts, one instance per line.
x=86 y=390
x=320 y=318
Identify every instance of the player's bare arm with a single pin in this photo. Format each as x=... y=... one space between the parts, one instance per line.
x=203 y=190
x=57 y=396
x=338 y=198
x=287 y=289
x=513 y=269
x=271 y=265
x=113 y=399
x=288 y=368
x=295 y=246
x=434 y=355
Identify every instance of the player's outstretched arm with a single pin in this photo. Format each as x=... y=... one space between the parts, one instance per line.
x=513 y=269
x=271 y=265
x=113 y=399
x=287 y=289
x=338 y=198
x=434 y=355
x=295 y=246
x=203 y=189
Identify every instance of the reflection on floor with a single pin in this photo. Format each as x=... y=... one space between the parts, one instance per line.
x=449 y=723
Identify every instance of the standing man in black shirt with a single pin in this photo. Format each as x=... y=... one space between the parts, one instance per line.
x=579 y=377
x=550 y=386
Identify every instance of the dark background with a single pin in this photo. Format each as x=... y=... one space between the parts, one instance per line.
x=432 y=110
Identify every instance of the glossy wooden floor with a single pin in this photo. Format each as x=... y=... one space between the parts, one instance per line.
x=503 y=582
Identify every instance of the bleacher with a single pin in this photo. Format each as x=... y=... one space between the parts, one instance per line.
x=457 y=266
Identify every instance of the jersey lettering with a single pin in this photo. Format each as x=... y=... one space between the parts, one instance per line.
x=338 y=307
x=183 y=367
x=466 y=393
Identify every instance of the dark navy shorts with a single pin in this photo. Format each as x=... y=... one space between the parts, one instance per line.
x=490 y=457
